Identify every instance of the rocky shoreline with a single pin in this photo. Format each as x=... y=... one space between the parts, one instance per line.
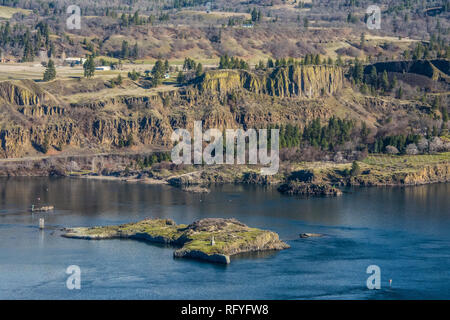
x=211 y=239
x=310 y=179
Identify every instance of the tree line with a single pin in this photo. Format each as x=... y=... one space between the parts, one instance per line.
x=326 y=137
x=20 y=37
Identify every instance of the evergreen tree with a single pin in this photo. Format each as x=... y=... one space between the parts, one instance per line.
x=362 y=40
x=50 y=71
x=125 y=51
x=158 y=72
x=358 y=71
x=255 y=15
x=356 y=169
x=317 y=59
x=305 y=22
x=89 y=67
x=135 y=52
x=444 y=115
x=199 y=70
x=181 y=78
x=28 y=51
x=119 y=80
x=166 y=66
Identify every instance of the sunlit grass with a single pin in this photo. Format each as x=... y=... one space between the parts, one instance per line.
x=8 y=12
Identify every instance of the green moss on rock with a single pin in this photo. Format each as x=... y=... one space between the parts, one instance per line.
x=211 y=239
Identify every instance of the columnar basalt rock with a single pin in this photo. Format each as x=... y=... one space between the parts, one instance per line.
x=291 y=81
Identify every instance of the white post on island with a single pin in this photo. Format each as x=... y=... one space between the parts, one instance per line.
x=41 y=223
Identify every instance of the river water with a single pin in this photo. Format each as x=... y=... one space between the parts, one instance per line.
x=404 y=231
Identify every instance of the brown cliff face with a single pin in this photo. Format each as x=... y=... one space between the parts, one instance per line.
x=34 y=120
x=291 y=81
x=22 y=93
x=429 y=174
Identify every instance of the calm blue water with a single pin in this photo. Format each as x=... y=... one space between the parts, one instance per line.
x=405 y=231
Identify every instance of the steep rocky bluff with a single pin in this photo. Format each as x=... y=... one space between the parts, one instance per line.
x=25 y=92
x=291 y=81
x=39 y=118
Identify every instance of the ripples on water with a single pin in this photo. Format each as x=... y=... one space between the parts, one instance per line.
x=403 y=230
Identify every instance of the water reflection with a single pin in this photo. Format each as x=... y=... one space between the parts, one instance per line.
x=422 y=207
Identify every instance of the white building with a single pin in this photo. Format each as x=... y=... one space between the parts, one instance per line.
x=103 y=68
x=73 y=60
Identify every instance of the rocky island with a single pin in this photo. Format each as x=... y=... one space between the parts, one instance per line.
x=211 y=239
x=308 y=189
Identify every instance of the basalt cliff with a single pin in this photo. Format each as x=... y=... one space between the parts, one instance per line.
x=50 y=118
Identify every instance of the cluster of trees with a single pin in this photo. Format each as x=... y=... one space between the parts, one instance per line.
x=277 y=63
x=18 y=37
x=309 y=59
x=135 y=19
x=312 y=59
x=411 y=145
x=116 y=81
x=232 y=63
x=148 y=161
x=192 y=68
x=256 y=15
x=354 y=171
x=159 y=70
x=379 y=81
x=437 y=104
x=188 y=3
x=400 y=142
x=127 y=52
x=189 y=64
x=357 y=71
x=334 y=133
x=290 y=136
x=233 y=21
x=374 y=80
x=125 y=142
x=134 y=75
x=435 y=48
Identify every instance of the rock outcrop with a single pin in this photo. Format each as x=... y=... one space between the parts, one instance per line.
x=212 y=239
x=38 y=118
x=22 y=93
x=290 y=81
x=308 y=189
